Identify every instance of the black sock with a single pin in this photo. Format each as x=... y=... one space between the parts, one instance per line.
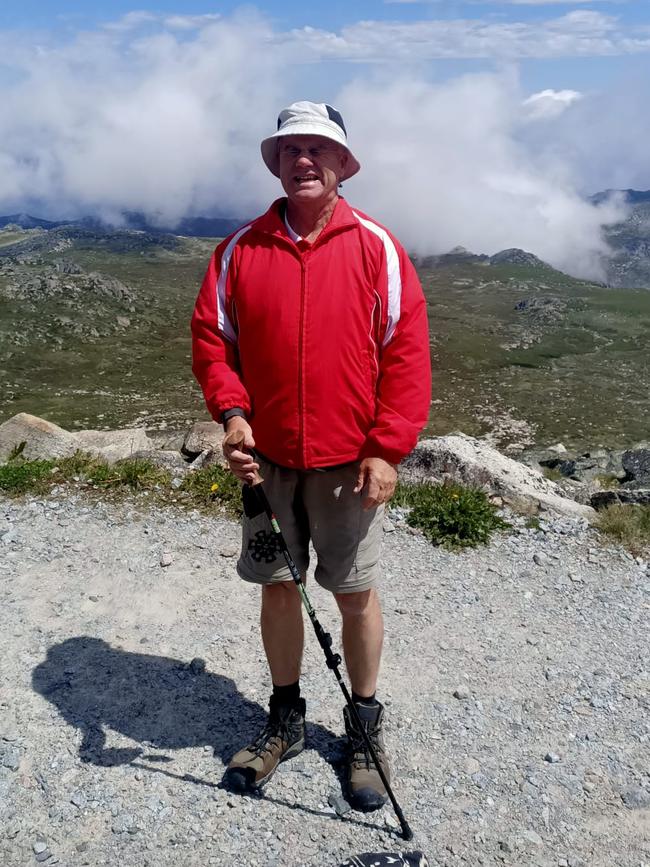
x=287 y=695
x=370 y=699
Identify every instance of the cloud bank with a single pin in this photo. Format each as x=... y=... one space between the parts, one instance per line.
x=165 y=115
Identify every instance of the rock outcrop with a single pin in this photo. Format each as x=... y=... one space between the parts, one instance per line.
x=42 y=440
x=471 y=461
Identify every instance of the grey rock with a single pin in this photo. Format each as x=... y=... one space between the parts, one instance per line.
x=229 y=551
x=124 y=823
x=462 y=693
x=552 y=758
x=42 y=438
x=202 y=436
x=10 y=758
x=621 y=496
x=166 y=559
x=113 y=445
x=636 y=463
x=338 y=803
x=636 y=798
x=529 y=836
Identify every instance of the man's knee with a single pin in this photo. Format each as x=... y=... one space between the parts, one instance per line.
x=282 y=596
x=355 y=604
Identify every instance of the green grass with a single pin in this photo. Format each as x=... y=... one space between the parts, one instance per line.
x=211 y=485
x=450 y=515
x=211 y=489
x=22 y=477
x=577 y=381
x=628 y=525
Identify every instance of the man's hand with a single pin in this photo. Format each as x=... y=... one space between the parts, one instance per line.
x=240 y=461
x=379 y=479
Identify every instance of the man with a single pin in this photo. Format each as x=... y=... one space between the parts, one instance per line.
x=310 y=338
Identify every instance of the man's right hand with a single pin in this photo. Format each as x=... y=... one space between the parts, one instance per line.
x=240 y=461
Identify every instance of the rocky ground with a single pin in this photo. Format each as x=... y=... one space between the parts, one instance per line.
x=516 y=680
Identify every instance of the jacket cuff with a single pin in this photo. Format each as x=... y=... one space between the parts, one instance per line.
x=231 y=413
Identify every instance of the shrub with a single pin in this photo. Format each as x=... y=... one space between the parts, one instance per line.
x=18 y=477
x=628 y=524
x=451 y=515
x=210 y=485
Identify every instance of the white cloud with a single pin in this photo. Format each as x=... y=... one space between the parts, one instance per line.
x=580 y=33
x=550 y=103
x=189 y=22
x=167 y=119
x=443 y=166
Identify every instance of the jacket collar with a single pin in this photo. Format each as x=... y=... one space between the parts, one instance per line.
x=272 y=222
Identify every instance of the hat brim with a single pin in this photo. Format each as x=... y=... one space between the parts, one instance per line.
x=269 y=148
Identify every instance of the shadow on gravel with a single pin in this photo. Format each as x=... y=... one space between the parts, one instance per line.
x=158 y=702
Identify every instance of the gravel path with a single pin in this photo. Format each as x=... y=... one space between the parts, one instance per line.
x=516 y=678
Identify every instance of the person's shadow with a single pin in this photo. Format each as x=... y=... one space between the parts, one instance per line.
x=156 y=701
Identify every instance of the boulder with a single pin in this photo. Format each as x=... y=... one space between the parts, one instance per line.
x=113 y=445
x=473 y=462
x=201 y=436
x=45 y=440
x=636 y=463
x=42 y=439
x=164 y=459
x=621 y=496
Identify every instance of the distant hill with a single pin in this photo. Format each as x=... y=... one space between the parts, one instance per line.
x=632 y=197
x=629 y=265
x=194 y=227
x=630 y=240
x=94 y=331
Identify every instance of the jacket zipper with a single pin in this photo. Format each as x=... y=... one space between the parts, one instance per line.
x=301 y=339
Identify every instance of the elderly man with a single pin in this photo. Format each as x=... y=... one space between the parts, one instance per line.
x=310 y=338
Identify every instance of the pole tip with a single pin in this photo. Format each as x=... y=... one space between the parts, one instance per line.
x=407 y=834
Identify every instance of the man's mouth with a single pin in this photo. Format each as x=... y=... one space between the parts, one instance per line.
x=303 y=178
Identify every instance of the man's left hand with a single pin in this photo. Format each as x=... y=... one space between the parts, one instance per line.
x=379 y=479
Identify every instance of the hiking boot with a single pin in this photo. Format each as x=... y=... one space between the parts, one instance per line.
x=366 y=791
x=282 y=737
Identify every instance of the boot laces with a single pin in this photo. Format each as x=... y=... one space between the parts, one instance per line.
x=273 y=733
x=359 y=748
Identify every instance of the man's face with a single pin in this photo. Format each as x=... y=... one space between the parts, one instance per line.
x=310 y=167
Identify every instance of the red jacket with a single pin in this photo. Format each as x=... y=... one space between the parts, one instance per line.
x=324 y=345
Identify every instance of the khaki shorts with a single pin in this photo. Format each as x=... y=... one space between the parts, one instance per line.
x=319 y=506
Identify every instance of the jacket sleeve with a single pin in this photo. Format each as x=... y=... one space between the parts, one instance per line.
x=215 y=360
x=404 y=382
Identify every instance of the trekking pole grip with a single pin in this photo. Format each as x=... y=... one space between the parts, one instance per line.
x=235 y=440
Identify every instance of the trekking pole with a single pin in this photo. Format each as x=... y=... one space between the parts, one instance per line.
x=236 y=440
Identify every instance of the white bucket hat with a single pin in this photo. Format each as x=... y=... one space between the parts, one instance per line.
x=309 y=118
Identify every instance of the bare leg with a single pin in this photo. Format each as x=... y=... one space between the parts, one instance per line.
x=363 y=636
x=282 y=631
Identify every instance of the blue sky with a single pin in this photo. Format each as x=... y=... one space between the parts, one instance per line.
x=616 y=26
x=478 y=123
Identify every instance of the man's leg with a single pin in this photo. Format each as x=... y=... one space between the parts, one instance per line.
x=284 y=733
x=262 y=562
x=282 y=631
x=362 y=636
